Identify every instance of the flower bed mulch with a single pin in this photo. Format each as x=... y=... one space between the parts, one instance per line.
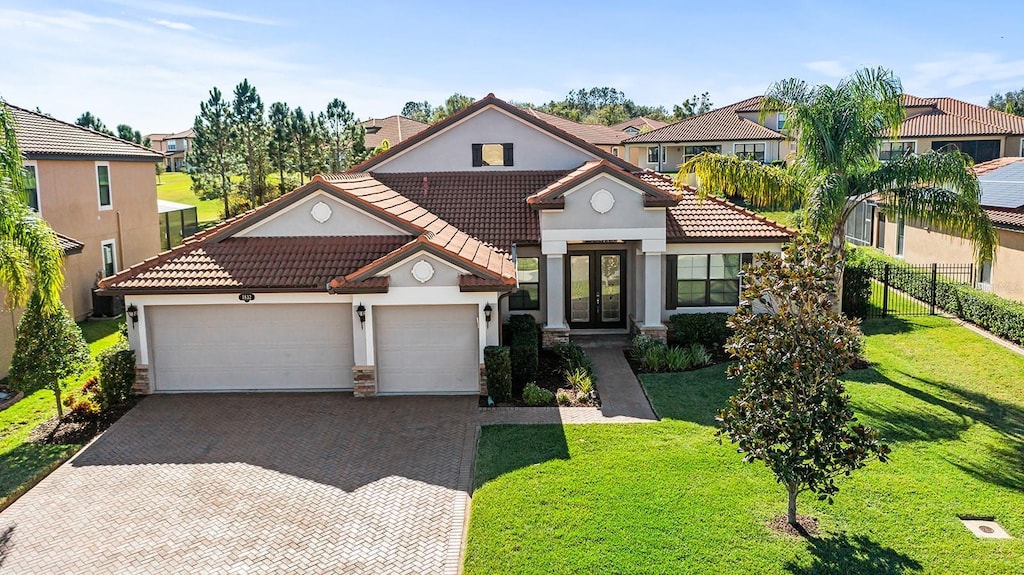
x=76 y=428
x=550 y=376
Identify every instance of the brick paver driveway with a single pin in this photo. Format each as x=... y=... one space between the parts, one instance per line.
x=256 y=483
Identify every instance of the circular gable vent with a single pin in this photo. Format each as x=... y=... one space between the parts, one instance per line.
x=422 y=271
x=602 y=201
x=321 y=212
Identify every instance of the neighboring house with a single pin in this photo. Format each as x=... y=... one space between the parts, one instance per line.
x=735 y=130
x=604 y=137
x=174 y=147
x=97 y=192
x=394 y=129
x=393 y=277
x=1002 y=195
x=637 y=125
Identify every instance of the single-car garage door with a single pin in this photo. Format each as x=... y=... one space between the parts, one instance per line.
x=429 y=349
x=250 y=347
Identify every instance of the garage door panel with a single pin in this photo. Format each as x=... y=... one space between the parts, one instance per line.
x=251 y=347
x=427 y=349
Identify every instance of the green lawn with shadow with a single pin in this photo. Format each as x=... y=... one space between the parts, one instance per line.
x=668 y=498
x=20 y=461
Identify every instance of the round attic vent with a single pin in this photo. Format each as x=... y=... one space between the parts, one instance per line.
x=321 y=212
x=422 y=271
x=602 y=201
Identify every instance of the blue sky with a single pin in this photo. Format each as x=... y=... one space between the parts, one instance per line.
x=149 y=64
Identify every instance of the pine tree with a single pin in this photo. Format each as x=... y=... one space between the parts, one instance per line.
x=213 y=146
x=251 y=137
x=280 y=144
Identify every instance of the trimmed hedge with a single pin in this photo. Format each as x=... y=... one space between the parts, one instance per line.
x=856 y=289
x=524 y=341
x=707 y=329
x=498 y=366
x=117 y=375
x=1002 y=317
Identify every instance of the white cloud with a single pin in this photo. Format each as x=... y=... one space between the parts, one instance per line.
x=172 y=25
x=830 y=68
x=187 y=11
x=964 y=73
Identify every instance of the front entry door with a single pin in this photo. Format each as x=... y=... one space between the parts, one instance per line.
x=596 y=289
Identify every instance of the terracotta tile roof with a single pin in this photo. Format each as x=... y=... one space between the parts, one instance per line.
x=69 y=245
x=551 y=196
x=1009 y=219
x=722 y=124
x=911 y=101
x=260 y=263
x=394 y=129
x=40 y=136
x=590 y=133
x=436 y=231
x=713 y=219
x=993 y=165
x=639 y=122
x=490 y=206
x=491 y=100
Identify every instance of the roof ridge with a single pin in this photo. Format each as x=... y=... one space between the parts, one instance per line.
x=83 y=128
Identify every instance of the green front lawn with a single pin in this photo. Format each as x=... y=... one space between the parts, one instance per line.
x=668 y=498
x=21 y=462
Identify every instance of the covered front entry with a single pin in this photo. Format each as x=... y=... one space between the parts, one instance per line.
x=596 y=289
x=251 y=347
x=427 y=349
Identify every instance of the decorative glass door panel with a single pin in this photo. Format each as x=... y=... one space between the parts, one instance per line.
x=579 y=289
x=595 y=290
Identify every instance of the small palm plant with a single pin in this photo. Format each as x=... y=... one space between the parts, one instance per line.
x=678 y=358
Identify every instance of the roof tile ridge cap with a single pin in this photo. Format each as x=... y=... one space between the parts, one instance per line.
x=970 y=119
x=83 y=128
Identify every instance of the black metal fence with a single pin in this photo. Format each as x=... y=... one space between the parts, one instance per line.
x=910 y=289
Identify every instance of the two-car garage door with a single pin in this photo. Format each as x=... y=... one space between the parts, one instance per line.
x=251 y=347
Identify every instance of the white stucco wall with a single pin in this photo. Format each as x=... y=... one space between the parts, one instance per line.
x=297 y=220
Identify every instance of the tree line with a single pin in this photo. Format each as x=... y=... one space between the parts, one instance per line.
x=240 y=146
x=604 y=105
x=124 y=131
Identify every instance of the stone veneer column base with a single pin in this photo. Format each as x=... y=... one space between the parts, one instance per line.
x=552 y=336
x=656 y=332
x=483 y=379
x=364 y=378
x=141 y=385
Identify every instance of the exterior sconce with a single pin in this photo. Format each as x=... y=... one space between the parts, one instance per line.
x=487 y=312
x=133 y=313
x=361 y=312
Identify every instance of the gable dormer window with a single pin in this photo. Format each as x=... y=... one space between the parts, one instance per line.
x=492 y=155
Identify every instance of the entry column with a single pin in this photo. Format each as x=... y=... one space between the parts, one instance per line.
x=555 y=329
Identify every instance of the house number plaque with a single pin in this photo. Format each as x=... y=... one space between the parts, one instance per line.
x=246 y=297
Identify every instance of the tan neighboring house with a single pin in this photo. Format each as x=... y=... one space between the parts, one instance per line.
x=394 y=129
x=638 y=125
x=98 y=193
x=174 y=147
x=1002 y=196
x=604 y=137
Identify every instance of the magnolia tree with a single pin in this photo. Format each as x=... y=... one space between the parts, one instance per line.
x=791 y=411
x=48 y=348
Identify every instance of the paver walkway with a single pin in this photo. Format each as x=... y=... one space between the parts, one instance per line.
x=622 y=398
x=256 y=483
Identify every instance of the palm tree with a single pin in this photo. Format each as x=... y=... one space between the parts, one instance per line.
x=838 y=131
x=30 y=254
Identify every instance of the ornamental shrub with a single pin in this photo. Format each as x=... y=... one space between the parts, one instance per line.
x=117 y=375
x=498 y=366
x=856 y=289
x=535 y=396
x=525 y=360
x=707 y=329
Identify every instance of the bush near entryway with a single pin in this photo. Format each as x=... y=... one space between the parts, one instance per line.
x=707 y=329
x=117 y=375
x=498 y=366
x=524 y=344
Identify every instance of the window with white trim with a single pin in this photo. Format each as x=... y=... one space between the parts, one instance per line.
x=103 y=186
x=889 y=150
x=528 y=294
x=172 y=145
x=860 y=224
x=985 y=276
x=109 y=254
x=31 y=187
x=652 y=155
x=749 y=151
x=704 y=280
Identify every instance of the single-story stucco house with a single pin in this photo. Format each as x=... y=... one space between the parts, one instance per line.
x=392 y=278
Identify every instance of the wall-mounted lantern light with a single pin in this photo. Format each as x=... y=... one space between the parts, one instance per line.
x=133 y=313
x=487 y=312
x=361 y=312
